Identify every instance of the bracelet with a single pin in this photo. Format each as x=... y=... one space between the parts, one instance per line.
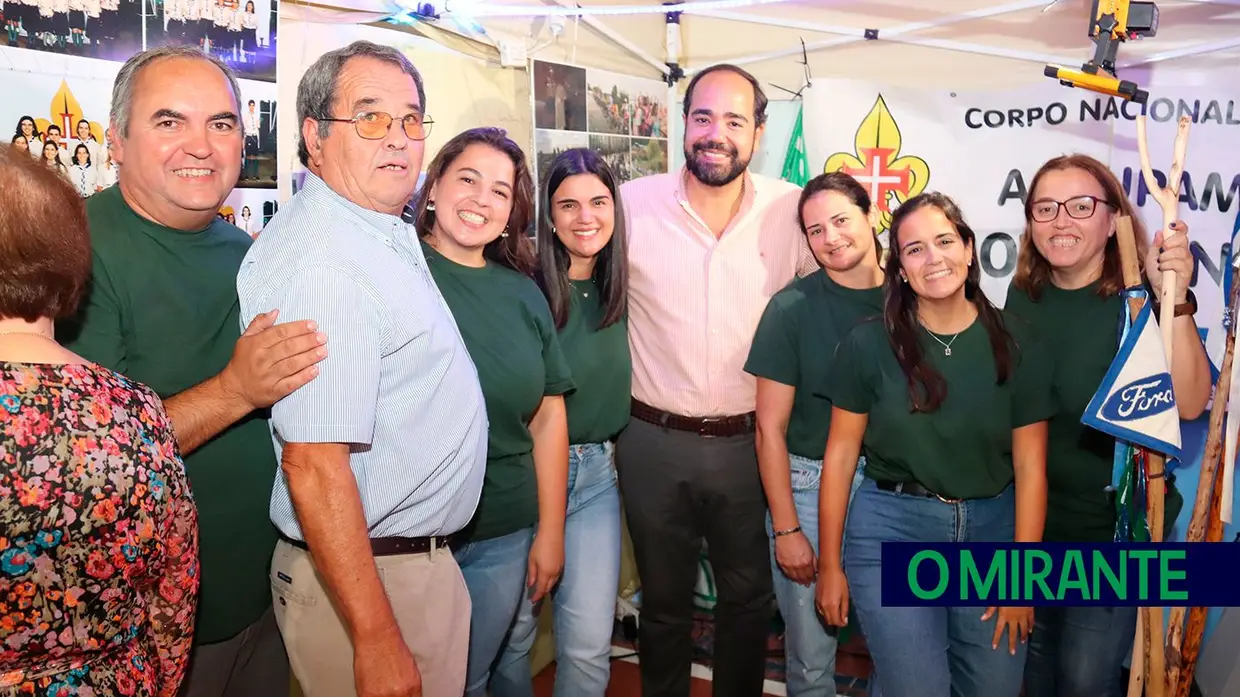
x=789 y=531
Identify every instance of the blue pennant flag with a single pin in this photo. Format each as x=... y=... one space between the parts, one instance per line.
x=1135 y=402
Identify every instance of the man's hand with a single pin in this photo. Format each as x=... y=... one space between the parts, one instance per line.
x=270 y=361
x=386 y=669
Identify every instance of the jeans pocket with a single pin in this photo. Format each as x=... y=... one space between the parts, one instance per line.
x=806 y=474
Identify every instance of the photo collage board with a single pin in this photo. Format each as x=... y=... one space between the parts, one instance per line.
x=59 y=63
x=623 y=118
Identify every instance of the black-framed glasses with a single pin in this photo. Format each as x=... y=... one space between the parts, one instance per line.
x=374 y=125
x=1079 y=207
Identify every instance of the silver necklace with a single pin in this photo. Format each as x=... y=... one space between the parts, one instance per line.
x=18 y=331
x=947 y=346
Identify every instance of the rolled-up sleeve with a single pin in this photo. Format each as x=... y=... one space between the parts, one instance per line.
x=338 y=405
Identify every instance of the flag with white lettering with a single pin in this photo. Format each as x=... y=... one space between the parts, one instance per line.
x=1135 y=402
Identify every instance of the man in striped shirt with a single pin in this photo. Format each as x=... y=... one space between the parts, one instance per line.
x=383 y=458
x=708 y=247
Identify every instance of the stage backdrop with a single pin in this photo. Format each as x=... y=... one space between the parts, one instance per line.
x=983 y=148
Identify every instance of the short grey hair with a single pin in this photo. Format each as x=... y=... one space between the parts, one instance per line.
x=317 y=90
x=122 y=89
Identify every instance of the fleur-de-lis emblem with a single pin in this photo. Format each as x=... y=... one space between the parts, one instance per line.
x=66 y=112
x=891 y=179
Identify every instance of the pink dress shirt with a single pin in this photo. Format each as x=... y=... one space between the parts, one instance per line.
x=694 y=300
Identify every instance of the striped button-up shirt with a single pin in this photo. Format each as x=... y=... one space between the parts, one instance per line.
x=694 y=300
x=397 y=384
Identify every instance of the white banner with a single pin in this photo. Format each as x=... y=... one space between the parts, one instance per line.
x=983 y=148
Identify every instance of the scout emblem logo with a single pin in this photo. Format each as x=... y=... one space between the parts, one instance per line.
x=890 y=178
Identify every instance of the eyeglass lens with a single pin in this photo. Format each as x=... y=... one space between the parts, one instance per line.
x=375 y=125
x=1080 y=208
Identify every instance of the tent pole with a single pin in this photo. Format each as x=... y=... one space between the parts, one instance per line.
x=619 y=40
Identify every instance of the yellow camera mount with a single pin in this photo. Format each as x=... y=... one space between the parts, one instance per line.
x=1113 y=22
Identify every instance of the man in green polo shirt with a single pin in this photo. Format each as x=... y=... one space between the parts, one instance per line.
x=162 y=309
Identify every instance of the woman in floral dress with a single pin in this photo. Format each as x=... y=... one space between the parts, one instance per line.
x=98 y=531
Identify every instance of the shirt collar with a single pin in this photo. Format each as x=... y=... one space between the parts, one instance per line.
x=748 y=194
x=382 y=225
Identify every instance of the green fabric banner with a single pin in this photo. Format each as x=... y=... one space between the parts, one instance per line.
x=796 y=163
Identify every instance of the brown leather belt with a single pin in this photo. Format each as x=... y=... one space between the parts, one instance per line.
x=709 y=427
x=393 y=546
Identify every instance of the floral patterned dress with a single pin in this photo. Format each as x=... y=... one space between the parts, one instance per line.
x=98 y=537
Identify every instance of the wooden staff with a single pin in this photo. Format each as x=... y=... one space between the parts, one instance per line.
x=1208 y=528
x=1147 y=663
x=1168 y=198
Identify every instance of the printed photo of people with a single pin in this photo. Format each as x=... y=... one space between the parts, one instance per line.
x=242 y=33
x=106 y=29
x=559 y=97
x=258 y=116
x=63 y=123
x=617 y=151
x=249 y=209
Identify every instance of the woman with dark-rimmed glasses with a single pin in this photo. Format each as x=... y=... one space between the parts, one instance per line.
x=1067 y=284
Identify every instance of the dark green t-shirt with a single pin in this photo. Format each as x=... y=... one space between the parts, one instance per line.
x=601 y=367
x=507 y=327
x=964 y=448
x=795 y=343
x=162 y=309
x=1080 y=330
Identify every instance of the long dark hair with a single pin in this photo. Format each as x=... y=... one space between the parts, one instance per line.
x=513 y=250
x=926 y=387
x=844 y=185
x=611 y=269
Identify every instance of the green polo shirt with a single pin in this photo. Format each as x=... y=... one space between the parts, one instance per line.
x=964 y=448
x=795 y=345
x=162 y=309
x=507 y=327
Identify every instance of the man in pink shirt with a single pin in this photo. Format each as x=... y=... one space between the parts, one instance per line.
x=708 y=247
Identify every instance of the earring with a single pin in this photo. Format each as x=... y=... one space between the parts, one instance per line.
x=505 y=232
x=430 y=205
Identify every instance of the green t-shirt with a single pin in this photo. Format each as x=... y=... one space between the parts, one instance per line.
x=507 y=327
x=964 y=448
x=162 y=309
x=601 y=367
x=795 y=343
x=1080 y=331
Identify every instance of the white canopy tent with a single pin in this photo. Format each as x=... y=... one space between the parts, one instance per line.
x=962 y=43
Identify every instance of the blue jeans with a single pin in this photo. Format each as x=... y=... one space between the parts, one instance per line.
x=585 y=600
x=809 y=651
x=1079 y=651
x=494 y=572
x=928 y=651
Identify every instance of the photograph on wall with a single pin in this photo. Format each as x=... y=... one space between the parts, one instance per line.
x=622 y=117
x=549 y=144
x=105 y=29
x=62 y=118
x=559 y=97
x=258 y=115
x=242 y=33
x=250 y=209
x=648 y=156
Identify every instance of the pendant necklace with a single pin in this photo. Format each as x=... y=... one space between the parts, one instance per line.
x=947 y=346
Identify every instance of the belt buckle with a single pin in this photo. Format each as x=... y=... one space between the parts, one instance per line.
x=944 y=499
x=709 y=420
